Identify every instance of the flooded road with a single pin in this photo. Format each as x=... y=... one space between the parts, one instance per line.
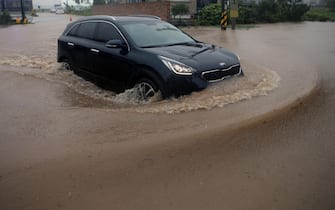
x=265 y=141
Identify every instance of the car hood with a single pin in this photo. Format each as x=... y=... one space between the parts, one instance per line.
x=201 y=57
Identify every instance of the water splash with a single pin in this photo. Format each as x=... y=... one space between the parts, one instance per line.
x=220 y=94
x=257 y=81
x=39 y=62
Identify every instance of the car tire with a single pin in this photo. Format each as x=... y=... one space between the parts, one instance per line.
x=66 y=65
x=147 y=89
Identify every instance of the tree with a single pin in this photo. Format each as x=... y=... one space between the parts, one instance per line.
x=268 y=11
x=210 y=14
x=247 y=14
x=331 y=4
x=97 y=2
x=180 y=9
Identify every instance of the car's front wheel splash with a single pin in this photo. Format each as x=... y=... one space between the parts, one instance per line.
x=66 y=66
x=147 y=92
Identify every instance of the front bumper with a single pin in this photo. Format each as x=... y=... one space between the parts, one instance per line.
x=178 y=85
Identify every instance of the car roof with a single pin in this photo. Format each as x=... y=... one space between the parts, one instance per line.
x=114 y=19
x=132 y=18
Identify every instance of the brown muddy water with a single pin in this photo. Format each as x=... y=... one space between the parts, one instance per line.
x=265 y=141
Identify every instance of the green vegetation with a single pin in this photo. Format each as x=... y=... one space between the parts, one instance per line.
x=271 y=11
x=320 y=14
x=180 y=9
x=5 y=18
x=268 y=11
x=210 y=15
x=247 y=14
x=82 y=12
x=97 y=2
x=75 y=11
x=331 y=5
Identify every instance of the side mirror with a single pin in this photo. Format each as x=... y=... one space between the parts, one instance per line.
x=115 y=43
x=118 y=44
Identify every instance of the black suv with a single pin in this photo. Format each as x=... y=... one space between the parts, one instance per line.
x=120 y=53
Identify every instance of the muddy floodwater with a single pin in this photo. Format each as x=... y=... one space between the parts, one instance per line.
x=262 y=141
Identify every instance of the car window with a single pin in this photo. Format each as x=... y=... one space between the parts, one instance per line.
x=73 y=31
x=107 y=32
x=86 y=30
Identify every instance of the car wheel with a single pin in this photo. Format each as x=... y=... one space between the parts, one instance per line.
x=146 y=89
x=66 y=65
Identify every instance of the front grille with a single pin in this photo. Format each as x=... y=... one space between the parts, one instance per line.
x=220 y=74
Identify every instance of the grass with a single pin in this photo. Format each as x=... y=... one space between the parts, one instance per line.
x=319 y=14
x=83 y=12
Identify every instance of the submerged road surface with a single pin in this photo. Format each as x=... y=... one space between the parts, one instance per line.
x=62 y=149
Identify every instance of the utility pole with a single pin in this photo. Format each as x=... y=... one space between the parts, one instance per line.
x=3 y=6
x=22 y=12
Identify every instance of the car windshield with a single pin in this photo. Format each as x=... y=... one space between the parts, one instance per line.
x=156 y=34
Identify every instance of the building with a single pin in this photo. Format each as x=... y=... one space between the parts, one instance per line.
x=160 y=8
x=49 y=4
x=15 y=5
x=74 y=3
x=45 y=4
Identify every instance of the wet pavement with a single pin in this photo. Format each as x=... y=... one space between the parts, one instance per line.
x=268 y=145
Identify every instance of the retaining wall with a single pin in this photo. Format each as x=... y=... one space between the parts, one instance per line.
x=160 y=9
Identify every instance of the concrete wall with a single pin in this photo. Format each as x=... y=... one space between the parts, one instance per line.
x=161 y=9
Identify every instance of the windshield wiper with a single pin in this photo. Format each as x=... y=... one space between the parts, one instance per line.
x=175 y=44
x=192 y=44
x=152 y=46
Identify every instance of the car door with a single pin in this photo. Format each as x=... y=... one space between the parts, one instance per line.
x=111 y=64
x=66 y=45
x=83 y=44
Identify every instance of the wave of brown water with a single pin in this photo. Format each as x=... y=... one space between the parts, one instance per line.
x=257 y=81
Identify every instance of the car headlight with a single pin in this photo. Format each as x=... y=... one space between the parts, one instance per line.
x=177 y=67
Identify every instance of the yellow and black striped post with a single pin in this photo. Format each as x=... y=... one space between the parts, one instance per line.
x=224 y=20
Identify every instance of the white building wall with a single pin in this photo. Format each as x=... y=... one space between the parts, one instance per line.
x=48 y=4
x=45 y=4
x=81 y=2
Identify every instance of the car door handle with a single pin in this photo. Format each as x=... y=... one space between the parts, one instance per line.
x=70 y=44
x=95 y=50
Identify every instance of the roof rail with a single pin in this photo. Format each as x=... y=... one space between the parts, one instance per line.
x=147 y=16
